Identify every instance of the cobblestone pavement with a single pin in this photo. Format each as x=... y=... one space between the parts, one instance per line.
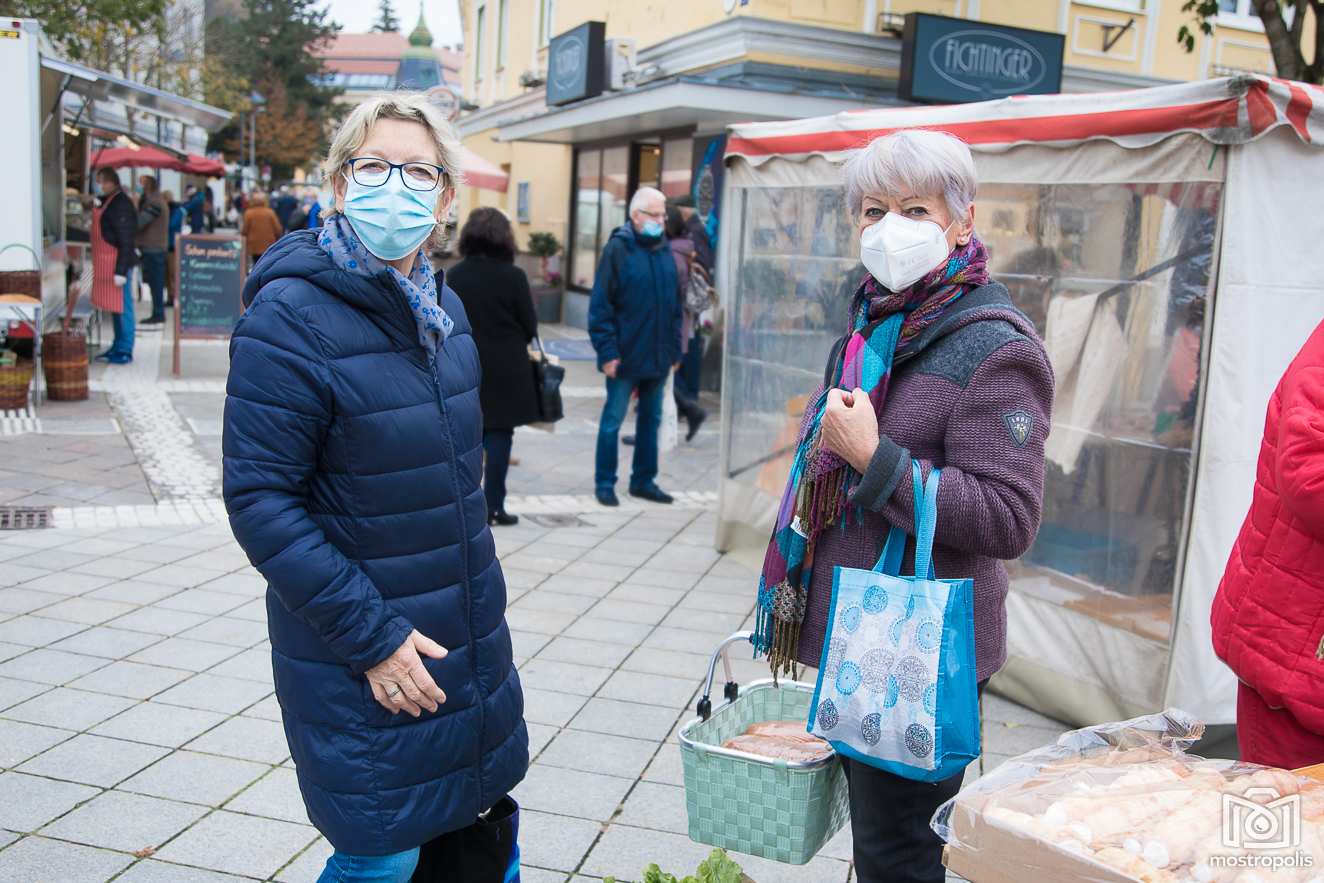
x=139 y=737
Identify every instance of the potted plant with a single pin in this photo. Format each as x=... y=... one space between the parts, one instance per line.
x=547 y=296
x=544 y=246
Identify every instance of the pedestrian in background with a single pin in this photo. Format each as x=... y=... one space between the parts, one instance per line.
x=938 y=366
x=118 y=228
x=314 y=212
x=261 y=227
x=634 y=321
x=208 y=210
x=194 y=208
x=175 y=228
x=689 y=379
x=352 y=436
x=686 y=256
x=153 y=241
x=284 y=205
x=496 y=297
x=1266 y=615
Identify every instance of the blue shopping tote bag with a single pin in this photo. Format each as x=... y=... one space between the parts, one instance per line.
x=897 y=687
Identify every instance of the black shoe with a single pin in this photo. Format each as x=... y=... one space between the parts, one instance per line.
x=153 y=320
x=653 y=494
x=607 y=498
x=627 y=440
x=502 y=518
x=695 y=419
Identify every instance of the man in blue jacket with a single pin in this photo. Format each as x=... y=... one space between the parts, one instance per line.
x=634 y=322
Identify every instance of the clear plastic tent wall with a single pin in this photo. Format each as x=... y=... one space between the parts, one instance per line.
x=1163 y=242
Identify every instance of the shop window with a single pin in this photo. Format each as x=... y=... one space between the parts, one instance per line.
x=677 y=159
x=588 y=202
x=480 y=31
x=503 y=25
x=546 y=14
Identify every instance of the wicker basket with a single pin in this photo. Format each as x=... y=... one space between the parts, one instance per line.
x=770 y=808
x=21 y=282
x=64 y=364
x=14 y=382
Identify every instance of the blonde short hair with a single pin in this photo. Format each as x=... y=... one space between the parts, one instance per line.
x=411 y=106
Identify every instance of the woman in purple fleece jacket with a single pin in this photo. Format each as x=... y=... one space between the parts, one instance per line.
x=969 y=390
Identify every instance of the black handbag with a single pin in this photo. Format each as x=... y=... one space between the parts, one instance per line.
x=485 y=852
x=547 y=383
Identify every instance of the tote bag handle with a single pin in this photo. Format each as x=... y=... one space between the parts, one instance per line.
x=926 y=523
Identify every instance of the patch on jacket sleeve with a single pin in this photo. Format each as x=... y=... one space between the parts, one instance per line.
x=1020 y=424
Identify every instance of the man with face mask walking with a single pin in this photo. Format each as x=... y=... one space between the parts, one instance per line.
x=634 y=321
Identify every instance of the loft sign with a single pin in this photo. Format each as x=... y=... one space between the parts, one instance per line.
x=953 y=60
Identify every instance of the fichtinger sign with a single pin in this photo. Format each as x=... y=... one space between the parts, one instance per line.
x=954 y=60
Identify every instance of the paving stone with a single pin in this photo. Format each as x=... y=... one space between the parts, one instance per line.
x=630 y=719
x=54 y=667
x=539 y=736
x=625 y=851
x=54 y=559
x=522 y=579
x=571 y=792
x=159 y=621
x=133 y=592
x=20 y=599
x=254 y=610
x=667 y=579
x=185 y=653
x=40 y=859
x=656 y=806
x=683 y=640
x=28 y=802
x=215 y=693
x=106 y=642
x=996 y=708
x=528 y=644
x=88 y=611
x=308 y=866
x=228 y=630
x=651 y=689
x=268 y=844
x=646 y=594
x=247 y=583
x=599 y=753
x=546 y=622
x=12 y=574
x=9 y=651
x=719 y=622
x=249 y=665
x=671 y=663
x=155 y=554
x=180 y=576
x=613 y=573
x=530 y=874
x=67 y=583
x=565 y=677
x=156 y=724
x=246 y=738
x=132 y=679
x=545 y=599
x=725 y=602
x=592 y=628
x=267 y=709
x=115 y=567
x=70 y=709
x=152 y=871
x=197 y=778
x=584 y=652
x=667 y=766
x=276 y=796
x=36 y=631
x=553 y=841
x=125 y=822
x=550 y=707
x=12 y=692
x=93 y=760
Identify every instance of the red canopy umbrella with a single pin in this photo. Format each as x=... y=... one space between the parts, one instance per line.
x=201 y=165
x=140 y=157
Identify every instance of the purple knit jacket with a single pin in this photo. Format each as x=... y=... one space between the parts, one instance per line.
x=973 y=396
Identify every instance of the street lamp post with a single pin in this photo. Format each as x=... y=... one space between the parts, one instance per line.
x=258 y=101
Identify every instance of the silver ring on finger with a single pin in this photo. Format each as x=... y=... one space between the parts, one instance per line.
x=394 y=693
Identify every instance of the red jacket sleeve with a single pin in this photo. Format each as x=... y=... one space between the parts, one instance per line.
x=1300 y=448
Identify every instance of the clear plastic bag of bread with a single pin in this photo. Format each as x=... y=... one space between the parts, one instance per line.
x=1126 y=801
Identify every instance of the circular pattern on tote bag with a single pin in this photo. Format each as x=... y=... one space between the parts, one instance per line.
x=931 y=699
x=850 y=618
x=919 y=741
x=928 y=636
x=848 y=679
x=827 y=715
x=871 y=728
x=912 y=676
x=875 y=599
x=835 y=656
x=875 y=667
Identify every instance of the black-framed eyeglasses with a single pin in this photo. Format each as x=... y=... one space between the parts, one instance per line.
x=373 y=171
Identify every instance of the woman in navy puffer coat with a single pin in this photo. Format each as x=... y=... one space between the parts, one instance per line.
x=352 y=473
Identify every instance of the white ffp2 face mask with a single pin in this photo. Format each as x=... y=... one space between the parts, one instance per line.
x=898 y=251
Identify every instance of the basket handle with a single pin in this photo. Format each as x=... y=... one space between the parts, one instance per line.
x=732 y=689
x=36 y=261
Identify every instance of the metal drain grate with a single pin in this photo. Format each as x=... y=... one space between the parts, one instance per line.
x=558 y=520
x=24 y=517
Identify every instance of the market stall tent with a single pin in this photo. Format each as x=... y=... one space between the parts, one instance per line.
x=1165 y=242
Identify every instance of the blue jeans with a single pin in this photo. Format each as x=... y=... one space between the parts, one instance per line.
x=644 y=471
x=154 y=274
x=122 y=323
x=496 y=445
x=342 y=867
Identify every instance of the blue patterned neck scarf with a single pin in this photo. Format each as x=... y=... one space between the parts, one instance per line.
x=420 y=286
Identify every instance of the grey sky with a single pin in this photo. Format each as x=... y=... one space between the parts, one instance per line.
x=443 y=16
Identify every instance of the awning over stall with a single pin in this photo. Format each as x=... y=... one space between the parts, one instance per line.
x=482 y=173
x=97 y=84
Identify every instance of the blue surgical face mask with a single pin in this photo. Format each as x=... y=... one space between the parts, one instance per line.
x=392 y=220
x=652 y=230
x=98 y=189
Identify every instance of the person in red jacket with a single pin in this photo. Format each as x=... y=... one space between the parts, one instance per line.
x=1268 y=614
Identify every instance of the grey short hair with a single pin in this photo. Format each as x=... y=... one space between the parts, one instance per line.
x=412 y=106
x=914 y=161
x=643 y=195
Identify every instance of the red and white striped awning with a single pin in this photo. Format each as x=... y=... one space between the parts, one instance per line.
x=482 y=173
x=1232 y=110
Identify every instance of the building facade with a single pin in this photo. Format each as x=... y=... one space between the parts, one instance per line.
x=684 y=71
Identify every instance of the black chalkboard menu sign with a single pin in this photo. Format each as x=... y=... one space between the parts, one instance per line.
x=212 y=269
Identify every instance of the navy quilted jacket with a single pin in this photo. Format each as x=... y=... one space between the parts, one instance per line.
x=352 y=481
x=634 y=313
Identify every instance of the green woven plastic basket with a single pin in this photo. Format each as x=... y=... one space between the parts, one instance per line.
x=770 y=808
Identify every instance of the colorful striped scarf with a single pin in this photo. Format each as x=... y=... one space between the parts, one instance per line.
x=882 y=324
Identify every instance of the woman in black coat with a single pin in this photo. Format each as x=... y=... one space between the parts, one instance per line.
x=496 y=298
